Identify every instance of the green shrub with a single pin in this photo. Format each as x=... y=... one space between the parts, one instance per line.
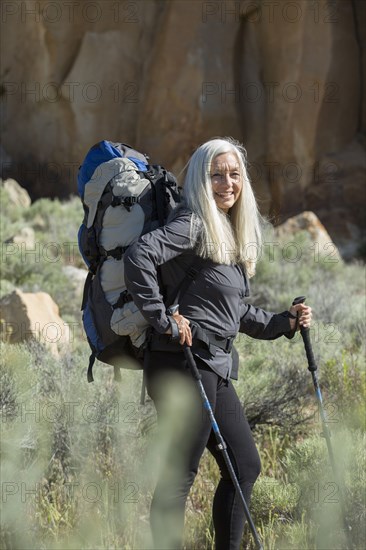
x=64 y=438
x=273 y=382
x=6 y=287
x=77 y=446
x=320 y=491
x=273 y=498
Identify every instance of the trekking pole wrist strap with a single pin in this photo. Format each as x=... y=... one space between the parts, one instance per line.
x=174 y=328
x=291 y=333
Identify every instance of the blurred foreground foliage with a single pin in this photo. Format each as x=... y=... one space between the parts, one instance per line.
x=79 y=461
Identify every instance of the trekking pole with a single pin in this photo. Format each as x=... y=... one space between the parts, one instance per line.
x=221 y=443
x=312 y=366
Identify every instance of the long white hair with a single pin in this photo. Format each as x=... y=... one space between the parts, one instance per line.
x=226 y=238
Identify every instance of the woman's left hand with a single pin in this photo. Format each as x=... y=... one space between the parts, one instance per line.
x=305 y=316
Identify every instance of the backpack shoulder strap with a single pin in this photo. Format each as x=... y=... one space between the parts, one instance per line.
x=156 y=179
x=246 y=281
x=192 y=273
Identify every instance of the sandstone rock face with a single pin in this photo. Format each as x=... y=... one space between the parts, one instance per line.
x=26 y=315
x=309 y=222
x=338 y=195
x=283 y=77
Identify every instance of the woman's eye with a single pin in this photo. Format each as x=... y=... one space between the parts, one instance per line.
x=233 y=175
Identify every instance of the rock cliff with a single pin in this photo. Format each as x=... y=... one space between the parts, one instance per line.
x=286 y=78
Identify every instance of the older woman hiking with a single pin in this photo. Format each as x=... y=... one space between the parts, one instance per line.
x=214 y=235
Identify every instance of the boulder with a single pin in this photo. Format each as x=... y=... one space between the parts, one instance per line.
x=39 y=223
x=25 y=238
x=309 y=222
x=338 y=196
x=26 y=316
x=17 y=194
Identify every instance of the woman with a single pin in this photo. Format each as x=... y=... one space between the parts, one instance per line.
x=217 y=231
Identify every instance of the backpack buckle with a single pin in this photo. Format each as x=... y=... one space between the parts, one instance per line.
x=127 y=202
x=223 y=342
x=123 y=299
x=116 y=253
x=229 y=344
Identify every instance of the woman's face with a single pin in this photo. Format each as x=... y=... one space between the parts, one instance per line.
x=226 y=180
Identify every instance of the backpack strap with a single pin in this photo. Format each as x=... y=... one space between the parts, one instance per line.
x=115 y=253
x=87 y=284
x=90 y=377
x=90 y=367
x=156 y=178
x=160 y=200
x=192 y=273
x=128 y=202
x=190 y=276
x=123 y=299
x=246 y=280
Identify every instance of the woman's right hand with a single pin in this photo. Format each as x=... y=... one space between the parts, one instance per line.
x=185 y=334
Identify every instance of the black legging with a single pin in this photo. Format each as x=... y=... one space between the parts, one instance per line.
x=187 y=445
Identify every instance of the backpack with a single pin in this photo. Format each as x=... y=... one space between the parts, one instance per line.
x=123 y=198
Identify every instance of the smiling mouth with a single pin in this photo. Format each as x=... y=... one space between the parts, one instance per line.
x=225 y=195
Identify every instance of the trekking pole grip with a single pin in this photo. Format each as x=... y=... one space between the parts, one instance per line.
x=305 y=333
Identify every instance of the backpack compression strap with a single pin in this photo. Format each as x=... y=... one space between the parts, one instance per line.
x=90 y=377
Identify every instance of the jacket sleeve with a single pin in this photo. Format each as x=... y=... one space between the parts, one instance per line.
x=142 y=259
x=264 y=325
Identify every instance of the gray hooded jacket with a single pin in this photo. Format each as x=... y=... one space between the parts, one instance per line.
x=155 y=267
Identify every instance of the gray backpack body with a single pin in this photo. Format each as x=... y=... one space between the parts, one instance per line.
x=123 y=197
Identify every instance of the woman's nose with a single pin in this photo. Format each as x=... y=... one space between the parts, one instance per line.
x=227 y=179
